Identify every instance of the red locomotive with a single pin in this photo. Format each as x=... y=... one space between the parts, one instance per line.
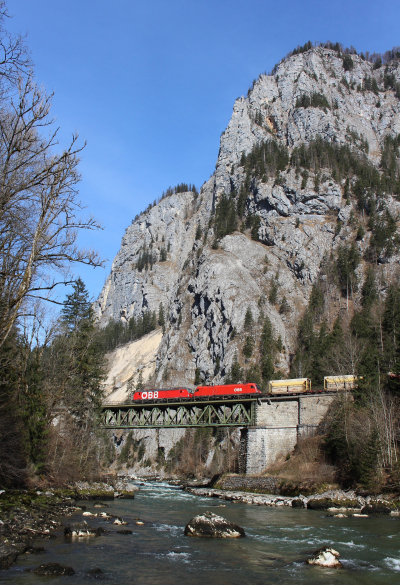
x=200 y=393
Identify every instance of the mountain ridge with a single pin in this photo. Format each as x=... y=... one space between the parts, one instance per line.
x=207 y=275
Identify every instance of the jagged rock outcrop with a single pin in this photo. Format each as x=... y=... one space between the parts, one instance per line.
x=206 y=292
x=206 y=287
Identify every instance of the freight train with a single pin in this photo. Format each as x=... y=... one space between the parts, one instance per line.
x=250 y=390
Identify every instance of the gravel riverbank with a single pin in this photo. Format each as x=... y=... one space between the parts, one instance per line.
x=30 y=515
x=337 y=501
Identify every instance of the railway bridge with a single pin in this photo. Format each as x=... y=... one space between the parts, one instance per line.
x=270 y=426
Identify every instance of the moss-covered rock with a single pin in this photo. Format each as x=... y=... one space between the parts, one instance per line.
x=320 y=504
x=381 y=507
x=66 y=493
x=329 y=503
x=92 y=494
x=94 y=491
x=25 y=515
x=347 y=503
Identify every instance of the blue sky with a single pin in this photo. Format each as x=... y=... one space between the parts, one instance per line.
x=151 y=85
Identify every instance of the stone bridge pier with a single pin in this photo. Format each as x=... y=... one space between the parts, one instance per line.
x=280 y=422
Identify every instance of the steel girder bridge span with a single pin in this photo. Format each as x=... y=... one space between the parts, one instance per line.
x=208 y=413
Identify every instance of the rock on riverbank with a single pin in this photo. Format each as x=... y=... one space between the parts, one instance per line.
x=336 y=501
x=123 y=487
x=53 y=570
x=78 y=529
x=28 y=515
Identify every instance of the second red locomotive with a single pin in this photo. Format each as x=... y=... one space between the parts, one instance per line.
x=200 y=392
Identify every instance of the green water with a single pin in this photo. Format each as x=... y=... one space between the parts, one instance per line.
x=277 y=542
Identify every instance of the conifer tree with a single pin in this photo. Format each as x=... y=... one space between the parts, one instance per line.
x=248 y=320
x=197 y=379
x=85 y=352
x=284 y=309
x=34 y=412
x=77 y=307
x=273 y=291
x=255 y=228
x=248 y=346
x=161 y=318
x=267 y=350
x=369 y=293
x=140 y=383
x=391 y=329
x=236 y=373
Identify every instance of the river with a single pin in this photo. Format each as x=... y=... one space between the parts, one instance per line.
x=276 y=544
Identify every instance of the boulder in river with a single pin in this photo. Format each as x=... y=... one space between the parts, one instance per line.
x=100 y=505
x=325 y=557
x=210 y=525
x=82 y=529
x=139 y=522
x=53 y=569
x=104 y=515
x=95 y=572
x=118 y=520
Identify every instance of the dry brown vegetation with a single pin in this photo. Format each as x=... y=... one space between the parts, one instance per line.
x=307 y=463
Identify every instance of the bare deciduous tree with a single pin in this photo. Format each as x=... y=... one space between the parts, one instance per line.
x=39 y=204
x=14 y=55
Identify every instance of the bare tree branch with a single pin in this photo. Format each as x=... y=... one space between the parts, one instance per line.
x=39 y=205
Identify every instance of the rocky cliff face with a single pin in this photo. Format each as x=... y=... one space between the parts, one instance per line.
x=205 y=290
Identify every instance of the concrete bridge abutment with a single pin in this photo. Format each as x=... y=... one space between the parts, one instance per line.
x=280 y=422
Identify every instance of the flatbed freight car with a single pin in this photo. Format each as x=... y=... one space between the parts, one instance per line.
x=348 y=382
x=292 y=386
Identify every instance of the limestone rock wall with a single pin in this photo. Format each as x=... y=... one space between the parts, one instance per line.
x=206 y=291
